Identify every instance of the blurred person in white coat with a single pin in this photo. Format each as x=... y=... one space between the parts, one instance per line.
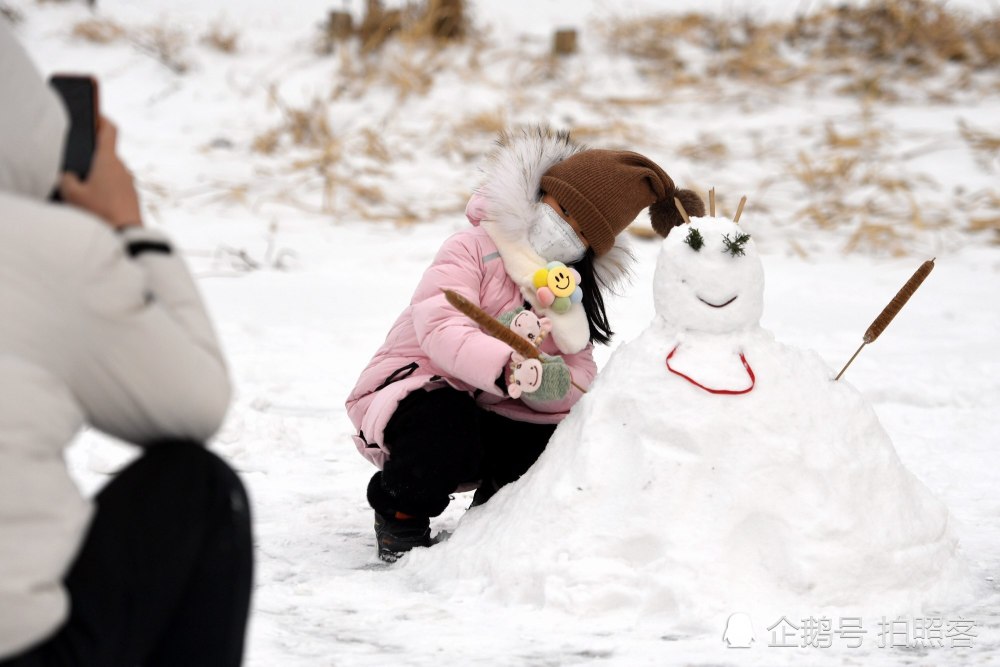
x=101 y=325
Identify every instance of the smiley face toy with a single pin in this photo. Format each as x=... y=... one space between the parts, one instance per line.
x=561 y=281
x=557 y=287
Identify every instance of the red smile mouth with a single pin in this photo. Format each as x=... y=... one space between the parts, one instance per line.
x=721 y=305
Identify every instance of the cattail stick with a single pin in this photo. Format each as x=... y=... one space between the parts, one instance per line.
x=850 y=361
x=891 y=310
x=680 y=207
x=739 y=209
x=711 y=202
x=495 y=328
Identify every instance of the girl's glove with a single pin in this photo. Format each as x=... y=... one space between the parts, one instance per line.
x=544 y=379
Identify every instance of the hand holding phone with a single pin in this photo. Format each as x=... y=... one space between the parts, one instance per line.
x=94 y=177
x=109 y=191
x=79 y=96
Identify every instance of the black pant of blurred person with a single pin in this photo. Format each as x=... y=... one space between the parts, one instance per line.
x=164 y=574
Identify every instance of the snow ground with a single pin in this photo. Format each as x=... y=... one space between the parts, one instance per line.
x=299 y=330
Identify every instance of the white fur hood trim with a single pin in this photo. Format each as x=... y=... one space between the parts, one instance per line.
x=513 y=174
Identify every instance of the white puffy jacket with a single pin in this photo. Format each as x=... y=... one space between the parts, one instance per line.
x=88 y=335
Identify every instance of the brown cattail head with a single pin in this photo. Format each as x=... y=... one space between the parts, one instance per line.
x=495 y=328
x=491 y=325
x=898 y=301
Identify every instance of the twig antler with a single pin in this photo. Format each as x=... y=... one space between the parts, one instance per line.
x=680 y=207
x=739 y=209
x=711 y=202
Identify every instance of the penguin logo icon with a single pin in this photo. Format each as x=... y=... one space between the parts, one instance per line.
x=739 y=631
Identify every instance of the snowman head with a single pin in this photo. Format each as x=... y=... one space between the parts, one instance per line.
x=709 y=277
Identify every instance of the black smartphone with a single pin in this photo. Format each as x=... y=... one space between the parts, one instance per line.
x=79 y=94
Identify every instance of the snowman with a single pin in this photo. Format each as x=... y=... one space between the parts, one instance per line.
x=710 y=470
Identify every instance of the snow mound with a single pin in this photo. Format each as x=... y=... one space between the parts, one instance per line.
x=660 y=497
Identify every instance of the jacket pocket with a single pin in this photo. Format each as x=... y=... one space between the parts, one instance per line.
x=399 y=374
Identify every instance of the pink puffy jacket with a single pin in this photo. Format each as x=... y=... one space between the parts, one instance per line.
x=433 y=345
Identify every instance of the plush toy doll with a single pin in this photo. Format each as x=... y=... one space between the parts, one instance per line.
x=528 y=325
x=526 y=375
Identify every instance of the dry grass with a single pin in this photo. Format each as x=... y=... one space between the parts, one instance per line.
x=373 y=145
x=740 y=48
x=983 y=210
x=916 y=34
x=307 y=128
x=410 y=74
x=166 y=44
x=651 y=39
x=316 y=163
x=221 y=39
x=706 y=149
x=470 y=138
x=304 y=127
x=99 y=31
x=439 y=20
x=403 y=48
x=877 y=47
x=408 y=69
x=852 y=180
x=487 y=122
x=985 y=145
x=614 y=133
x=378 y=25
x=987 y=224
x=847 y=177
x=435 y=21
x=871 y=86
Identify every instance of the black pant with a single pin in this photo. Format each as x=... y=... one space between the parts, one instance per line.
x=164 y=575
x=440 y=439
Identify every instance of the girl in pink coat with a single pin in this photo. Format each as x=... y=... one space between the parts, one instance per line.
x=443 y=405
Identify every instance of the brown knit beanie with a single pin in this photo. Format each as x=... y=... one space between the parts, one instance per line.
x=605 y=190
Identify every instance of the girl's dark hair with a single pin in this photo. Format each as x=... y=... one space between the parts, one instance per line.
x=593 y=300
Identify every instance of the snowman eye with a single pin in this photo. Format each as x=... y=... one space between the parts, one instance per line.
x=736 y=246
x=694 y=239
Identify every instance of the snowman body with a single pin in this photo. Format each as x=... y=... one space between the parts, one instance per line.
x=737 y=476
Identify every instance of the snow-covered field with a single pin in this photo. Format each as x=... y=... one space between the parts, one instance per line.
x=303 y=283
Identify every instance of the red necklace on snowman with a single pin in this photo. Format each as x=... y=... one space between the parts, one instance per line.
x=728 y=392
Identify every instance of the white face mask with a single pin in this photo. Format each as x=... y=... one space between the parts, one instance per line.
x=553 y=238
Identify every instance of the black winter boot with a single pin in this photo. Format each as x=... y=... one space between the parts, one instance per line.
x=397 y=532
x=395 y=536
